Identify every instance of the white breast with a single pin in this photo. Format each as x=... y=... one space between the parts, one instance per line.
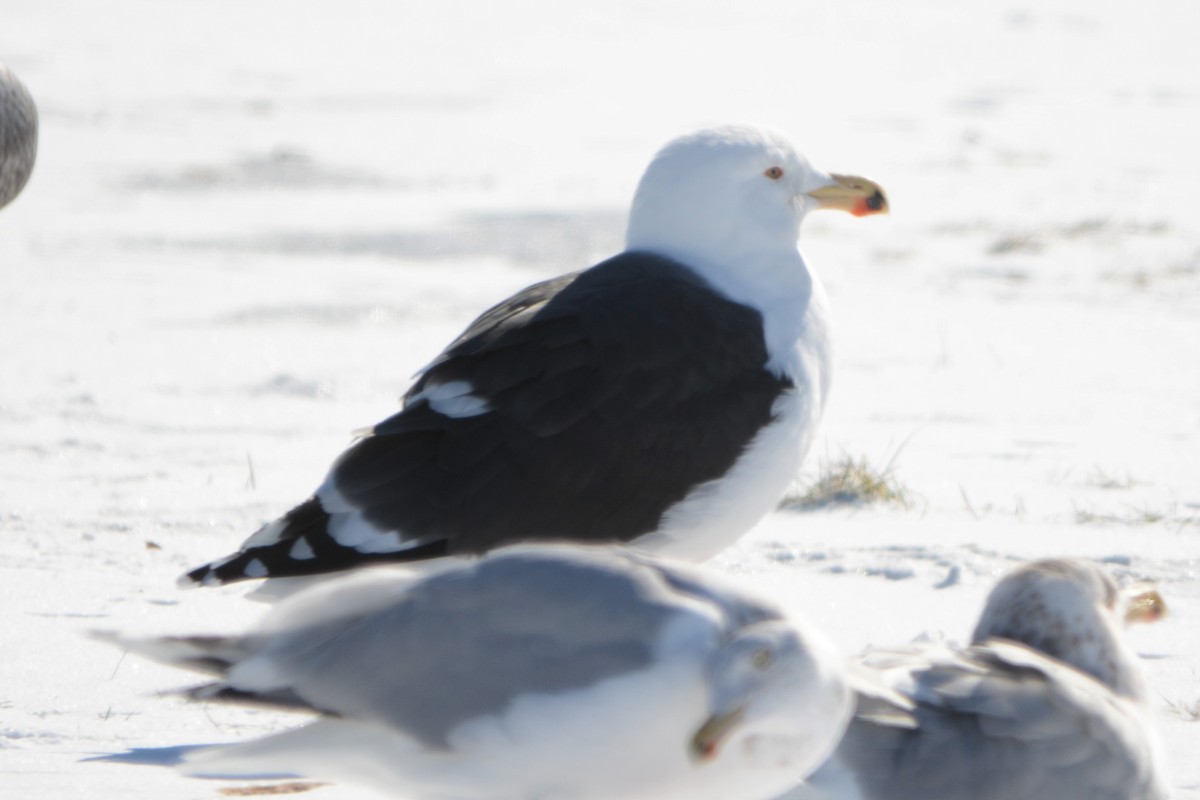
x=715 y=514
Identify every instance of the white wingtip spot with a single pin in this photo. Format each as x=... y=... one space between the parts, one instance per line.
x=255 y=569
x=301 y=550
x=453 y=399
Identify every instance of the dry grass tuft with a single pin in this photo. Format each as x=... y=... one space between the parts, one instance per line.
x=1135 y=516
x=1102 y=480
x=848 y=482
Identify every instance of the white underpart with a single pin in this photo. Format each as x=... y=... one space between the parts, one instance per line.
x=452 y=399
x=715 y=514
x=504 y=759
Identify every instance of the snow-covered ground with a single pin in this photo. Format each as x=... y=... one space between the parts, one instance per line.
x=250 y=222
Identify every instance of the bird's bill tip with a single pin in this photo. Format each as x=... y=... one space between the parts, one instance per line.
x=853 y=194
x=707 y=741
x=1145 y=607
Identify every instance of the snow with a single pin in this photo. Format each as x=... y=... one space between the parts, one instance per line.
x=250 y=223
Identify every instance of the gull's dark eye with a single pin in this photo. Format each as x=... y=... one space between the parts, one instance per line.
x=761 y=658
x=774 y=173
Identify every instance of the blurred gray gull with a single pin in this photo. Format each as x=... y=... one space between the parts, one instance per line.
x=18 y=135
x=1048 y=703
x=663 y=398
x=537 y=671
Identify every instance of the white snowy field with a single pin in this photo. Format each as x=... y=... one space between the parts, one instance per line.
x=251 y=222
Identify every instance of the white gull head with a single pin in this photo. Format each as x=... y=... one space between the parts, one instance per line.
x=730 y=200
x=715 y=191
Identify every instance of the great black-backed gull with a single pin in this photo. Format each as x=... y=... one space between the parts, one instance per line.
x=18 y=135
x=664 y=397
x=1048 y=703
x=538 y=671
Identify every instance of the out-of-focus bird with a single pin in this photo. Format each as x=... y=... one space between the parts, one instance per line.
x=538 y=671
x=18 y=135
x=1048 y=703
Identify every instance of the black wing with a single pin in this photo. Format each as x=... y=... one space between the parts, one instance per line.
x=593 y=403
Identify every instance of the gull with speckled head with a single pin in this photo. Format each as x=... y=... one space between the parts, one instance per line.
x=662 y=398
x=1048 y=703
x=571 y=672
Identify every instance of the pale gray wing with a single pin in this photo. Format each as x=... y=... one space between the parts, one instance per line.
x=996 y=722
x=737 y=607
x=464 y=643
